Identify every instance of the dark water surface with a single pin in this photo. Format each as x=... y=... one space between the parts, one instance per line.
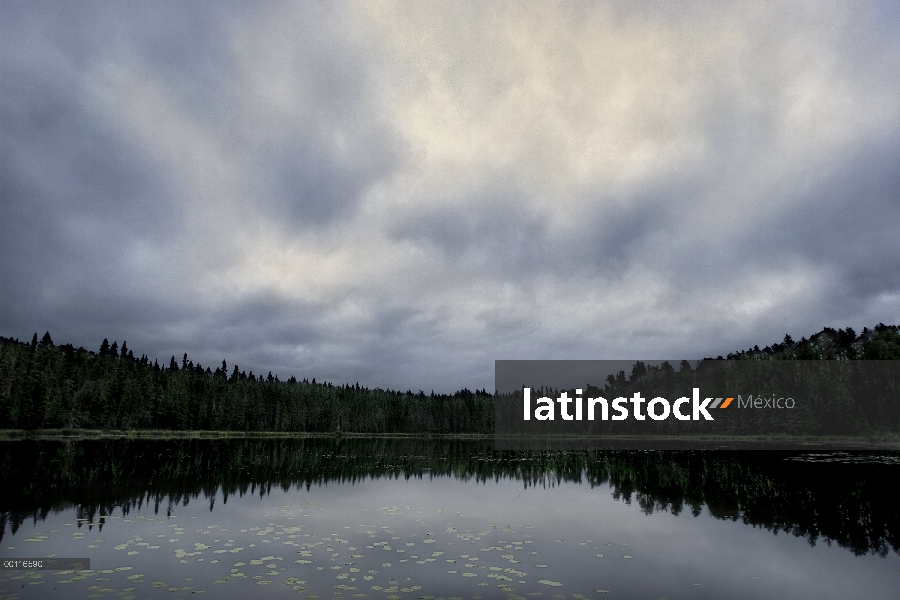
x=417 y=518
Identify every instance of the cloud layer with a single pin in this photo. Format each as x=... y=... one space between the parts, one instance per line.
x=399 y=194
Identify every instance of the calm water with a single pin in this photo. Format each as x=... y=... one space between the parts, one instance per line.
x=408 y=518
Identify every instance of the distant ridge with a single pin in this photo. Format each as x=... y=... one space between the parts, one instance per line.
x=882 y=343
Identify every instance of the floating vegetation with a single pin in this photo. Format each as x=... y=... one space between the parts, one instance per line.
x=314 y=549
x=847 y=458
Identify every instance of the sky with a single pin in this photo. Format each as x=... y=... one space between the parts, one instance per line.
x=400 y=193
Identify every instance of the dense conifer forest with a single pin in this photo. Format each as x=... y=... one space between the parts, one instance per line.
x=45 y=386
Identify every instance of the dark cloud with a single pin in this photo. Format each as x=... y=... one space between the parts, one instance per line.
x=851 y=219
x=349 y=192
x=73 y=199
x=313 y=179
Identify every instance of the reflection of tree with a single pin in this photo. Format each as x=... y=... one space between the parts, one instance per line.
x=851 y=505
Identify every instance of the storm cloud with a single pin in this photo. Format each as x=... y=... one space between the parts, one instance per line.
x=400 y=193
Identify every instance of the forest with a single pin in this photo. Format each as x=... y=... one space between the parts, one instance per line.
x=49 y=386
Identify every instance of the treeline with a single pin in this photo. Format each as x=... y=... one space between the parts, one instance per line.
x=859 y=395
x=882 y=343
x=852 y=504
x=45 y=386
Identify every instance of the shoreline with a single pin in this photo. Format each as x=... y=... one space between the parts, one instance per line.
x=512 y=442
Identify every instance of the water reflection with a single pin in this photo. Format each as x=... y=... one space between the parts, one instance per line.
x=848 y=500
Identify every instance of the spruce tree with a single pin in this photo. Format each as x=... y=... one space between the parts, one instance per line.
x=45 y=342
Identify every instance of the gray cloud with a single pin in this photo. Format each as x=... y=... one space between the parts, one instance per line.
x=400 y=195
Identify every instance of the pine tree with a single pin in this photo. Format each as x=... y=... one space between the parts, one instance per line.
x=638 y=370
x=45 y=342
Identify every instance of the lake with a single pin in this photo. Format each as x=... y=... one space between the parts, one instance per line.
x=411 y=518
